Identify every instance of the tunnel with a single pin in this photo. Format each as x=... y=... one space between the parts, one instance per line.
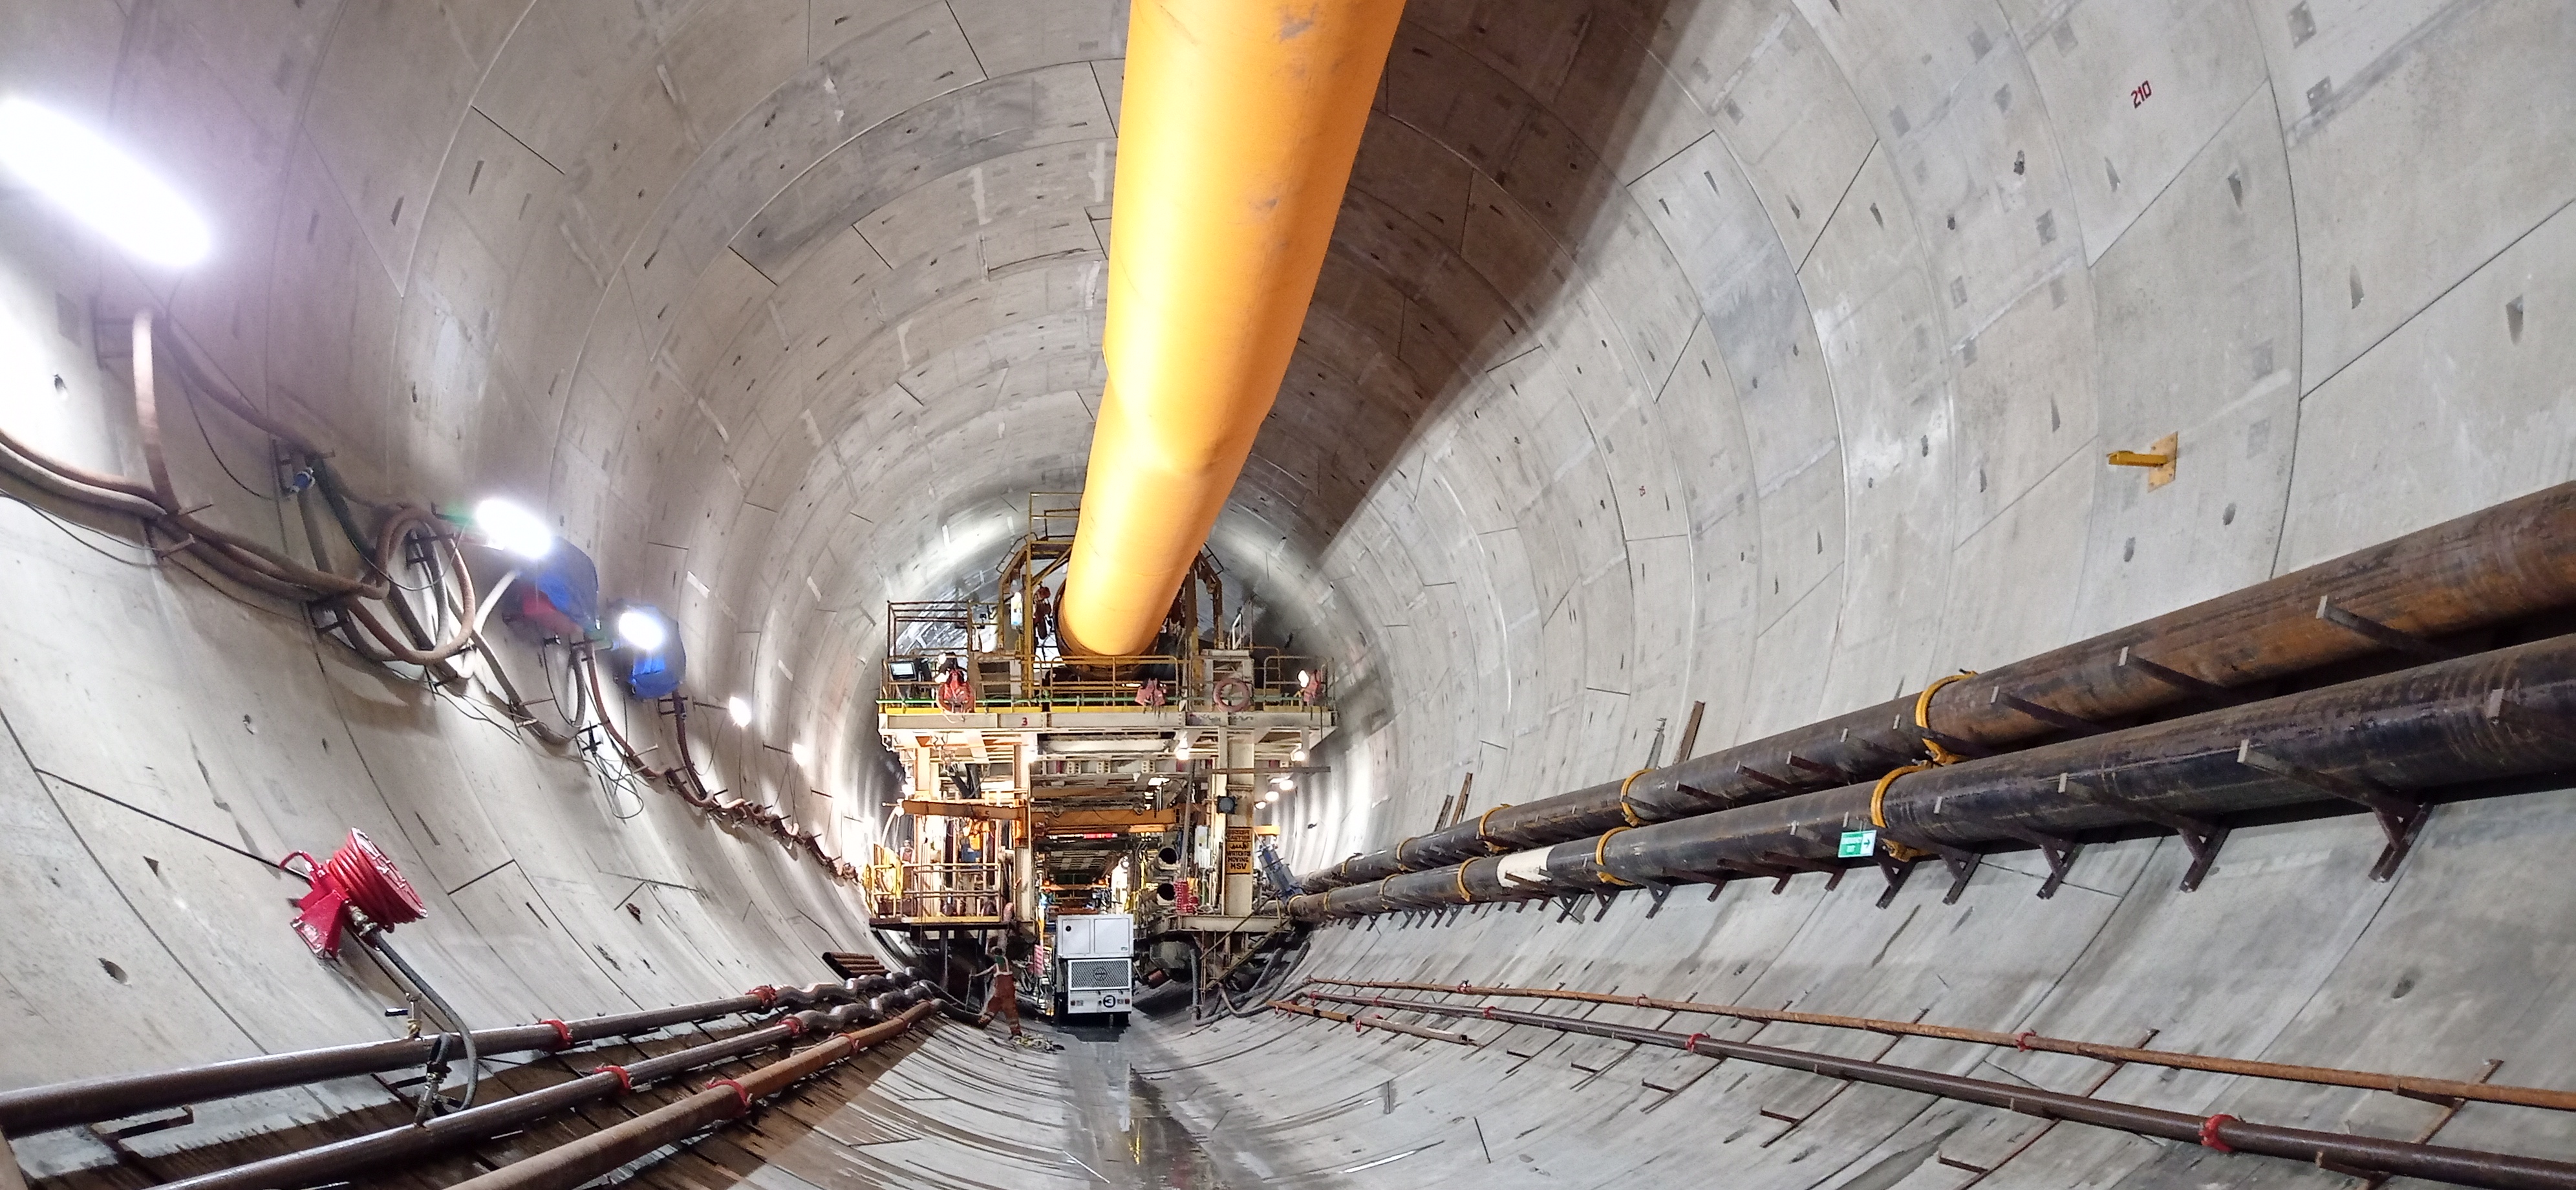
x=475 y=474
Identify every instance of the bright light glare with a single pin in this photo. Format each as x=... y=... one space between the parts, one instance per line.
x=1287 y=783
x=1299 y=755
x=517 y=530
x=801 y=754
x=642 y=630
x=1304 y=678
x=99 y=185
x=1270 y=800
x=1181 y=750
x=740 y=708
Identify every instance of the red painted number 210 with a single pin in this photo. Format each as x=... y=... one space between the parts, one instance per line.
x=2140 y=93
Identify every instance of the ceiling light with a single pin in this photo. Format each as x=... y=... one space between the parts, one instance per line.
x=100 y=185
x=642 y=631
x=1287 y=783
x=1271 y=799
x=507 y=526
x=800 y=753
x=740 y=708
x=1299 y=755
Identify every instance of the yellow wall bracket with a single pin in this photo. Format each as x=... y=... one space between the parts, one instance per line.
x=2159 y=456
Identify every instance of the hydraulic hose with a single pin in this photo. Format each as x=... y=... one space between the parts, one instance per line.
x=374 y=939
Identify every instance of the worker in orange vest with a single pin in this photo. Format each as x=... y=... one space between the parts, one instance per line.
x=1005 y=998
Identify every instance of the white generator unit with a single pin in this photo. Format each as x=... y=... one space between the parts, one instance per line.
x=1095 y=964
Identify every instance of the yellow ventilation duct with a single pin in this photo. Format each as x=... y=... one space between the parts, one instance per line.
x=1239 y=124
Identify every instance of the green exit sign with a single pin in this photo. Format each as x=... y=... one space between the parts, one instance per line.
x=1858 y=844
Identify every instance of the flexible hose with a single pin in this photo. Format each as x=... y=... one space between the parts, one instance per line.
x=373 y=938
x=240 y=560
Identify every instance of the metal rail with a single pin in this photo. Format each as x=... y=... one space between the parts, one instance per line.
x=63 y=1105
x=340 y=1160
x=575 y=1162
x=2340 y=1152
x=2413 y=1086
x=2491 y=567
x=2372 y=744
x=1360 y=1023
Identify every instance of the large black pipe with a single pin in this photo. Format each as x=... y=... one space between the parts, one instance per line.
x=2341 y=1151
x=342 y=1159
x=63 y=1105
x=2507 y=713
x=2503 y=564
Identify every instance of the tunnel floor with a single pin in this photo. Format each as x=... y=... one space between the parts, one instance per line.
x=1122 y=1131
x=961 y=1108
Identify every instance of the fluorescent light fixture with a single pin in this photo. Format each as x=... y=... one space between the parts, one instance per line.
x=513 y=529
x=800 y=753
x=740 y=708
x=642 y=630
x=98 y=184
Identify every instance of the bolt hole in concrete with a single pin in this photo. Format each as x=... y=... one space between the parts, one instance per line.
x=113 y=971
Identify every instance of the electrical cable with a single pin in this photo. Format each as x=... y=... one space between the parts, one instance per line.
x=202 y=836
x=199 y=417
x=66 y=527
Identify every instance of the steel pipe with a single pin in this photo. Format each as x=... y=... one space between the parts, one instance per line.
x=342 y=1159
x=575 y=1162
x=1237 y=134
x=2415 y=1086
x=63 y=1105
x=2508 y=713
x=2340 y=1151
x=1360 y=1023
x=2505 y=563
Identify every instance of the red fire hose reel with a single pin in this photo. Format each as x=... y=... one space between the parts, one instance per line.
x=358 y=876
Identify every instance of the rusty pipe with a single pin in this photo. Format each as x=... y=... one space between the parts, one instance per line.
x=575 y=1162
x=2489 y=567
x=341 y=1159
x=2480 y=718
x=1360 y=1023
x=2416 y=1086
x=62 y=1105
x=2226 y=1133
x=1240 y=122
